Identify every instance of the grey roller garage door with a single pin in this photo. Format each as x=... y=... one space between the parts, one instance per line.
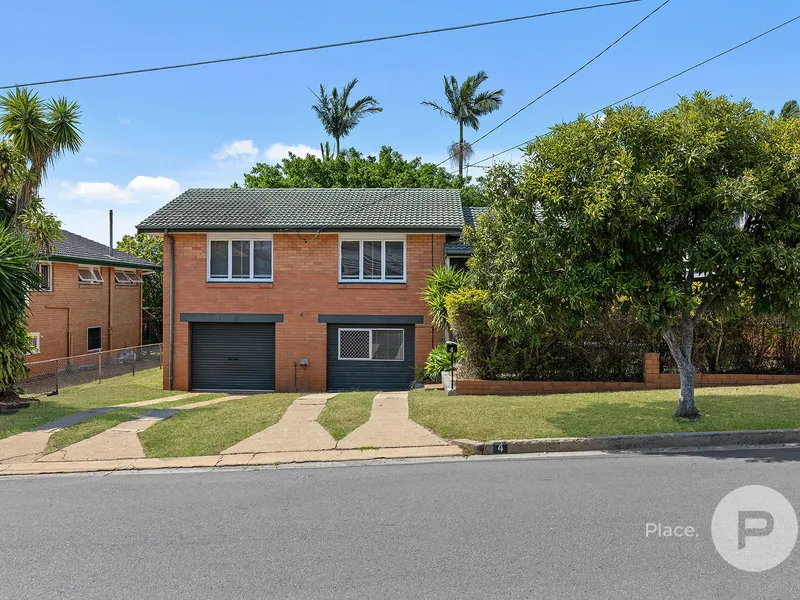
x=370 y=357
x=233 y=356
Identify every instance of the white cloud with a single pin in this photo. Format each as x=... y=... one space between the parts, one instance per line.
x=91 y=160
x=277 y=152
x=140 y=188
x=236 y=149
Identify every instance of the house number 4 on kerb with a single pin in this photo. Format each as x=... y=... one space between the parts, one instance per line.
x=754 y=528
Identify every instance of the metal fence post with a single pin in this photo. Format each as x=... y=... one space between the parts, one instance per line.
x=134 y=363
x=56 y=376
x=99 y=366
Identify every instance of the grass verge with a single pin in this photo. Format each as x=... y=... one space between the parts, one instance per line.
x=145 y=385
x=484 y=418
x=208 y=431
x=345 y=412
x=100 y=423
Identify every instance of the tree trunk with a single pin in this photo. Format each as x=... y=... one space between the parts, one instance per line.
x=681 y=350
x=460 y=148
x=337 y=146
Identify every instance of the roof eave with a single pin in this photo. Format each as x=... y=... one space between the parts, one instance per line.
x=82 y=260
x=454 y=230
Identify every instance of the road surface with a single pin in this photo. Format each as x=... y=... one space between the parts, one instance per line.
x=571 y=527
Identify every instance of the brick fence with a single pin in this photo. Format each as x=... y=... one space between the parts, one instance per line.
x=654 y=379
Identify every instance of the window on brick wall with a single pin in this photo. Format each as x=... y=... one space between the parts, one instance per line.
x=89 y=275
x=45 y=271
x=126 y=278
x=238 y=259
x=94 y=339
x=371 y=344
x=372 y=260
x=35 y=340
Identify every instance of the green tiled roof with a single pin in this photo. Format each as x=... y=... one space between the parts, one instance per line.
x=310 y=209
x=78 y=249
x=457 y=247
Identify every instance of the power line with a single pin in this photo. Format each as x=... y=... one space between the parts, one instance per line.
x=567 y=78
x=650 y=87
x=320 y=47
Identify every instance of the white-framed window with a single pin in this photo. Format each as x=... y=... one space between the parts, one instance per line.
x=36 y=343
x=94 y=339
x=89 y=275
x=245 y=257
x=371 y=344
x=126 y=278
x=45 y=271
x=372 y=259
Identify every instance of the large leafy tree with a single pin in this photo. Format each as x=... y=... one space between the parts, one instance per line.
x=41 y=131
x=465 y=104
x=790 y=110
x=149 y=247
x=674 y=215
x=337 y=115
x=352 y=170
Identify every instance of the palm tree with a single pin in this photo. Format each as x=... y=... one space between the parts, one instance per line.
x=337 y=116
x=465 y=104
x=41 y=131
x=790 y=110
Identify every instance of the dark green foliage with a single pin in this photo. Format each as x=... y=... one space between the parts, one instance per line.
x=151 y=248
x=439 y=360
x=351 y=169
x=441 y=282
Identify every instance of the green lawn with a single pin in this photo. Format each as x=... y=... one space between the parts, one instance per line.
x=484 y=418
x=145 y=385
x=344 y=412
x=100 y=423
x=208 y=431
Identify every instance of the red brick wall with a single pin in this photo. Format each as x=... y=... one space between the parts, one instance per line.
x=306 y=284
x=653 y=380
x=62 y=316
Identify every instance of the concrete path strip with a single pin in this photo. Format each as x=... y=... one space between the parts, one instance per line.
x=390 y=427
x=297 y=430
x=117 y=443
x=31 y=445
x=204 y=403
x=158 y=400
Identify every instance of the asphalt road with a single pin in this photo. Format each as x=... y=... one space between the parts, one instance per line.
x=476 y=528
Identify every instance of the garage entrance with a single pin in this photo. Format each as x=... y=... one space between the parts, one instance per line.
x=233 y=357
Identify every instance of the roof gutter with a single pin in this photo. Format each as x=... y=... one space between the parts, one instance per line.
x=171 y=303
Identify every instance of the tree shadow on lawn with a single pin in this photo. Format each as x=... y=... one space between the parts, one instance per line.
x=719 y=412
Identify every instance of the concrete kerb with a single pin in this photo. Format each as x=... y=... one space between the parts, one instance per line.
x=652 y=441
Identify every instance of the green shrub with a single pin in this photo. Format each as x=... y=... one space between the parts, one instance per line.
x=438 y=360
x=441 y=282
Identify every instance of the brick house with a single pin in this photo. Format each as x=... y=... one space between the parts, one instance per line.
x=91 y=300
x=300 y=289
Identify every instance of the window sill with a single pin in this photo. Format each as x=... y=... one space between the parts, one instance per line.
x=87 y=284
x=240 y=284
x=400 y=285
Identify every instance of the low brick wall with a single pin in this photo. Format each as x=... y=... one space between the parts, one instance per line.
x=654 y=379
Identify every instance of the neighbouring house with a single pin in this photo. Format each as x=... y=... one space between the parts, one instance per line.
x=300 y=289
x=91 y=300
x=456 y=251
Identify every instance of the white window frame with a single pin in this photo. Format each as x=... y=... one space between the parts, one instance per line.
x=371 y=330
x=49 y=266
x=36 y=341
x=100 y=349
x=95 y=271
x=241 y=237
x=381 y=237
x=131 y=276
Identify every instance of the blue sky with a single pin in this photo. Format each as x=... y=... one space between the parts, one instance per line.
x=147 y=137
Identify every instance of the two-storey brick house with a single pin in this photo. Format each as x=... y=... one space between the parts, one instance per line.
x=300 y=289
x=91 y=300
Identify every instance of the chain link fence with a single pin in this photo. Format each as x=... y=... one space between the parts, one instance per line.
x=47 y=377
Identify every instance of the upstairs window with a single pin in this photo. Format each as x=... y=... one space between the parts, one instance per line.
x=89 y=275
x=126 y=278
x=372 y=260
x=239 y=260
x=45 y=271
